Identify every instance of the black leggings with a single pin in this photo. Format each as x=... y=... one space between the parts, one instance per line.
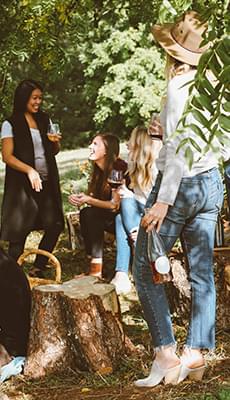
x=50 y=219
x=15 y=303
x=94 y=222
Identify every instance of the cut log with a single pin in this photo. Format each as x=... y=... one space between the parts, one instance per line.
x=222 y=275
x=74 y=231
x=75 y=325
x=179 y=290
x=73 y=225
x=179 y=293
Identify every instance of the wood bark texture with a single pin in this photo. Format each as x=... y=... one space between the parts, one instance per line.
x=179 y=293
x=75 y=325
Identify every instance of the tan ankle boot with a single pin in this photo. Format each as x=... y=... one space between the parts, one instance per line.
x=95 y=269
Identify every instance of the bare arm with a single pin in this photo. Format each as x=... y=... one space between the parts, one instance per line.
x=56 y=143
x=13 y=162
x=56 y=147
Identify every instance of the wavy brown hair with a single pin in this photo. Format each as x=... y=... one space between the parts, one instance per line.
x=98 y=186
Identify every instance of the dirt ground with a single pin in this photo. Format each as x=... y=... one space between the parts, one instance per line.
x=77 y=385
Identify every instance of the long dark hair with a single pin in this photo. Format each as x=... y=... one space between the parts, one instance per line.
x=22 y=94
x=98 y=186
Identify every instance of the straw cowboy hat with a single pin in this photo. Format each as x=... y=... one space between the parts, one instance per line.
x=182 y=39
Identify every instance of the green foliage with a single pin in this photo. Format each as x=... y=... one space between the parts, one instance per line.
x=32 y=43
x=75 y=181
x=132 y=83
x=99 y=63
x=211 y=92
x=208 y=94
x=224 y=394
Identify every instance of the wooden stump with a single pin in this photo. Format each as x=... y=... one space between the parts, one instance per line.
x=179 y=294
x=75 y=325
x=74 y=231
x=73 y=225
x=222 y=257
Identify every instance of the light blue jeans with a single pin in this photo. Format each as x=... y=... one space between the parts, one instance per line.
x=193 y=218
x=129 y=218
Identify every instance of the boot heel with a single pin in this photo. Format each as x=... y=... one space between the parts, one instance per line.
x=197 y=374
x=172 y=375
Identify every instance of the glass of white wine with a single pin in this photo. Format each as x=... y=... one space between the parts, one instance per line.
x=54 y=133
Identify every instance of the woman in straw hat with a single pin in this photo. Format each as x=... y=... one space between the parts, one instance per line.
x=184 y=203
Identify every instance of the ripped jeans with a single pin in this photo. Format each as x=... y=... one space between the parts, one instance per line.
x=127 y=221
x=193 y=218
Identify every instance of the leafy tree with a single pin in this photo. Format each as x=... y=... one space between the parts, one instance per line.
x=99 y=63
x=130 y=79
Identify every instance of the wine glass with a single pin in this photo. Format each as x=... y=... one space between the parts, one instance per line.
x=153 y=133
x=54 y=133
x=115 y=178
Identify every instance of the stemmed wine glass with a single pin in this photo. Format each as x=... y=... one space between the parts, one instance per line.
x=115 y=178
x=54 y=133
x=155 y=135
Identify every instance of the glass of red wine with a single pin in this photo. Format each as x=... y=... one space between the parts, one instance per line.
x=115 y=178
x=152 y=133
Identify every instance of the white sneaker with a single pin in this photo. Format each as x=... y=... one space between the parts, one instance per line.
x=121 y=282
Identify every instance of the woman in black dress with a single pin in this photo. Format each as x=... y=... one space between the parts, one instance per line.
x=32 y=198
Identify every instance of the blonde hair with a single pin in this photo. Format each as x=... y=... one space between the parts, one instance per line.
x=175 y=67
x=142 y=155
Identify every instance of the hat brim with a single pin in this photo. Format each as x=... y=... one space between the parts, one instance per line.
x=162 y=34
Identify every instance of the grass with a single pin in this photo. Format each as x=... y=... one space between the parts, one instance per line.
x=78 y=385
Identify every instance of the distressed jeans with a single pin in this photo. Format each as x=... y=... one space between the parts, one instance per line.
x=127 y=220
x=193 y=218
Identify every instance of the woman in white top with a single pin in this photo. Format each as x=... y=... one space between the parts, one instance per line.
x=142 y=173
x=32 y=198
x=183 y=203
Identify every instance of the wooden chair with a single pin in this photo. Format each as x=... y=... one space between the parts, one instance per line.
x=52 y=260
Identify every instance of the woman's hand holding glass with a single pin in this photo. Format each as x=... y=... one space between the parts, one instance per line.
x=116 y=199
x=54 y=134
x=78 y=199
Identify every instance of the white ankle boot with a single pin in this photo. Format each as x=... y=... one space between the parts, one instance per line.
x=121 y=282
x=157 y=374
x=194 y=374
x=192 y=365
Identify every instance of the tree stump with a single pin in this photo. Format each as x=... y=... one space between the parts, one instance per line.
x=73 y=225
x=222 y=275
x=179 y=293
x=74 y=231
x=75 y=325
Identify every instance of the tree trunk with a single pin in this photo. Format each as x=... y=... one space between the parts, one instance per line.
x=222 y=258
x=75 y=325
x=179 y=293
